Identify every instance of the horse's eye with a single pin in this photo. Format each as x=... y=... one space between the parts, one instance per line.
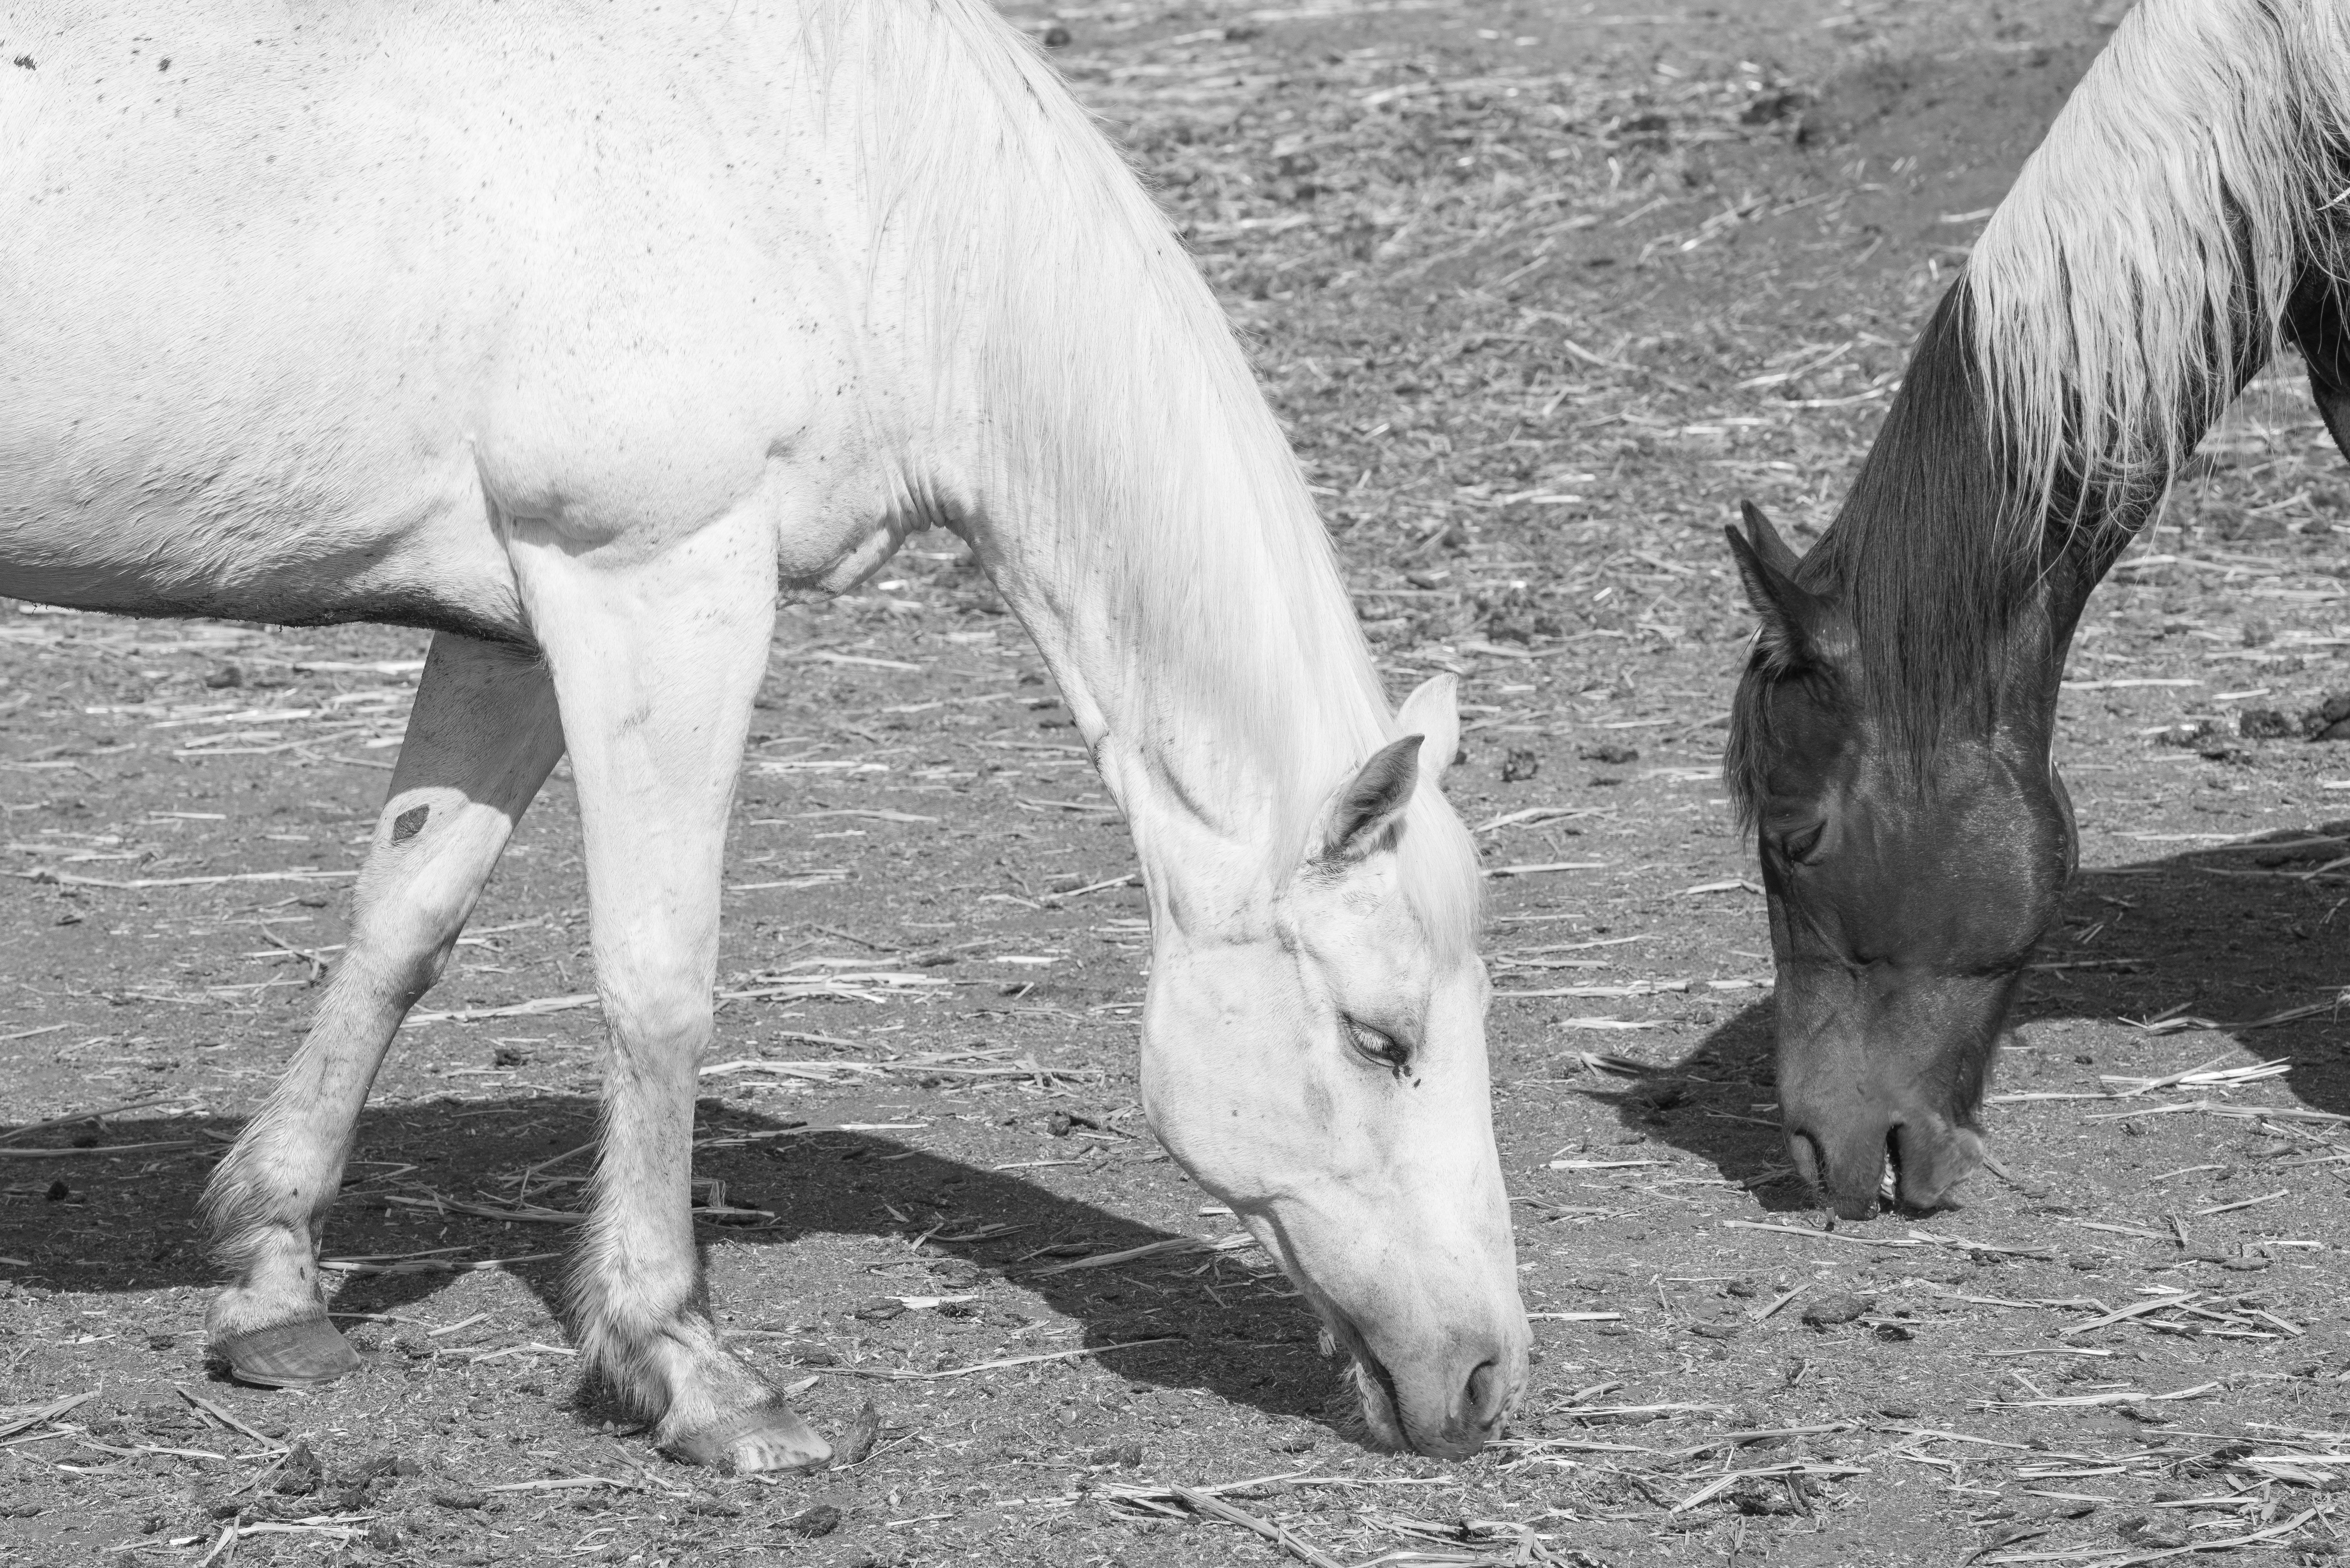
x=1378 y=1046
x=1803 y=841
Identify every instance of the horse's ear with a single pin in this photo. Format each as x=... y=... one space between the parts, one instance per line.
x=1789 y=616
x=1433 y=709
x=1356 y=819
x=1766 y=540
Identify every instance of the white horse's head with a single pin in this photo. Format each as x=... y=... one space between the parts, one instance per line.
x=1320 y=1066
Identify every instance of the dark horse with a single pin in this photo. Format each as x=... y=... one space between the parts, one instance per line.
x=1890 y=738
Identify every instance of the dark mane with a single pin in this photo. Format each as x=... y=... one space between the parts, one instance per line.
x=1918 y=562
x=1925 y=569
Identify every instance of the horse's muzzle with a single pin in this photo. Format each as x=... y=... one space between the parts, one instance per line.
x=1447 y=1405
x=1843 y=1157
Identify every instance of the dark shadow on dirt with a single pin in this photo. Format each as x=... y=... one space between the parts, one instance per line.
x=2235 y=935
x=1258 y=1348
x=1707 y=1104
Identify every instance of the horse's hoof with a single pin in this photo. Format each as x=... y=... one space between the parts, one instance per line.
x=769 y=1436
x=305 y=1354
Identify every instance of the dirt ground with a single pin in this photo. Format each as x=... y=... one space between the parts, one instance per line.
x=1542 y=291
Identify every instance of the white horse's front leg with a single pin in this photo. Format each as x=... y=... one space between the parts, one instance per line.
x=656 y=663
x=481 y=740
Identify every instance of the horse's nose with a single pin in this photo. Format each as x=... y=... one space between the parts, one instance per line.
x=1934 y=1156
x=1843 y=1156
x=1482 y=1398
x=1842 y=1160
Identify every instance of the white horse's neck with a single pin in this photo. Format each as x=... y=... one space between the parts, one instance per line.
x=1081 y=412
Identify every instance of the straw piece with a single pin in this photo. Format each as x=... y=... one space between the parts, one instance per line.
x=96 y=1148
x=44 y=875
x=23 y=1418
x=1217 y=1508
x=71 y=1117
x=1172 y=1244
x=901 y=1377
x=225 y=1419
x=2136 y=1309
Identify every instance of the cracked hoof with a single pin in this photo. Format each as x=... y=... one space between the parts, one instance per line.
x=305 y=1354
x=769 y=1436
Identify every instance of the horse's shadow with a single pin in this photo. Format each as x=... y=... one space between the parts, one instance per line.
x=1247 y=1340
x=2234 y=934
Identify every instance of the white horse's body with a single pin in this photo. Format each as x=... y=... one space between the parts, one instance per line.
x=575 y=273
x=579 y=333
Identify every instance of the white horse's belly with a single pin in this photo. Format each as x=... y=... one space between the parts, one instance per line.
x=251 y=530
x=287 y=333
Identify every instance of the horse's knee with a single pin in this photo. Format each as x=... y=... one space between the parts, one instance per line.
x=645 y=1011
x=424 y=969
x=406 y=933
x=400 y=953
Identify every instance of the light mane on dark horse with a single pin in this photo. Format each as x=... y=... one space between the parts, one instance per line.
x=1890 y=738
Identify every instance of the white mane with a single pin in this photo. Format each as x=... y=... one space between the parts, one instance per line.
x=2141 y=264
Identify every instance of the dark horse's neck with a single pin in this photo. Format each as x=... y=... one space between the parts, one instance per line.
x=1960 y=620
x=1961 y=611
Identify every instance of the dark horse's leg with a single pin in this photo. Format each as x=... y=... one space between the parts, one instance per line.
x=481 y=740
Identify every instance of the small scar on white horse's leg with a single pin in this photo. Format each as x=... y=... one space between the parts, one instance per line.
x=408 y=823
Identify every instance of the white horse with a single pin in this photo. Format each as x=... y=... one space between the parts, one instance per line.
x=581 y=333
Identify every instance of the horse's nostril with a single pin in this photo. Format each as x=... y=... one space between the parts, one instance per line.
x=1482 y=1398
x=1810 y=1161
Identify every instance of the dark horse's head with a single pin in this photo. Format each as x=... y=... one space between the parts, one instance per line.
x=1890 y=744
